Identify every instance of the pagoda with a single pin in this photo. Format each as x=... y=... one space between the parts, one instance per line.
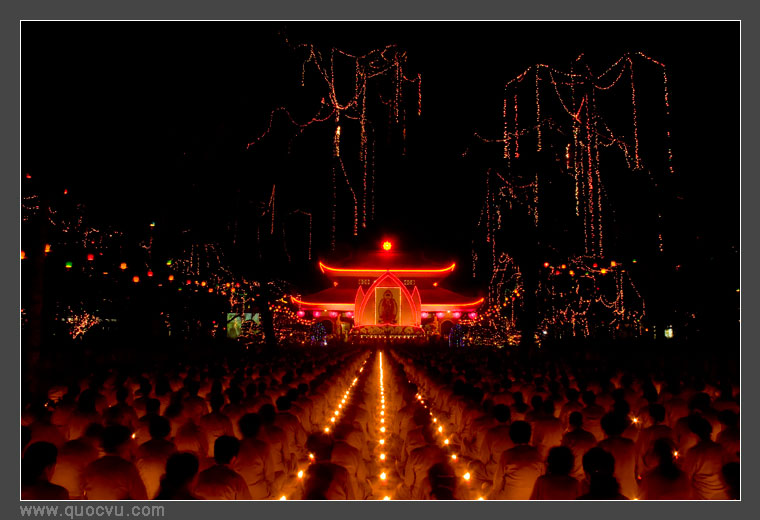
x=387 y=294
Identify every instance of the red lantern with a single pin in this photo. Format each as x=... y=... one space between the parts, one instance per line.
x=150 y=274
x=90 y=257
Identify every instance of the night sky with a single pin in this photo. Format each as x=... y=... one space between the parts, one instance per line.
x=149 y=122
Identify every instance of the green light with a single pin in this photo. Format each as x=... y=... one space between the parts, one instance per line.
x=169 y=262
x=634 y=260
x=69 y=265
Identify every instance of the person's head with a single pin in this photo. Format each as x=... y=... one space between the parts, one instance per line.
x=589 y=397
x=502 y=413
x=38 y=462
x=700 y=402
x=152 y=406
x=548 y=407
x=283 y=403
x=621 y=408
x=598 y=462
x=86 y=401
x=572 y=395
x=181 y=469
x=216 y=401
x=321 y=445
x=700 y=426
x=159 y=427
x=560 y=461
x=613 y=424
x=226 y=449
x=93 y=433
x=267 y=414
x=537 y=402
x=115 y=438
x=576 y=420
x=249 y=425
x=519 y=432
x=121 y=394
x=728 y=418
x=192 y=387
x=664 y=452
x=657 y=412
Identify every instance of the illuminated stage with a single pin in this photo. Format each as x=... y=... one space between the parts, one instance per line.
x=387 y=294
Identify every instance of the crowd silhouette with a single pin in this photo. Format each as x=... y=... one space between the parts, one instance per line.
x=304 y=424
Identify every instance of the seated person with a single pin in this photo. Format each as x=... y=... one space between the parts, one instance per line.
x=220 y=481
x=37 y=467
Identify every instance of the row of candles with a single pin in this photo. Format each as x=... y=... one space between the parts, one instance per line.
x=336 y=413
x=445 y=441
x=382 y=456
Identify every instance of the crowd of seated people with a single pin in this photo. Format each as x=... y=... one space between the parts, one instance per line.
x=548 y=430
x=218 y=431
x=260 y=428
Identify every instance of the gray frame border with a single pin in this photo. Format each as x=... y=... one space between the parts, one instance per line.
x=16 y=10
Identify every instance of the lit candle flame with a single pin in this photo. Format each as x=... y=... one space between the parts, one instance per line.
x=300 y=474
x=382 y=456
x=382 y=441
x=454 y=457
x=383 y=475
x=466 y=476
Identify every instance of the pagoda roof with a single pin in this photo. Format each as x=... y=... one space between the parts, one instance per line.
x=372 y=264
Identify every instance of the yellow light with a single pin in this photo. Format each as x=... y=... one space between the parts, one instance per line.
x=300 y=474
x=440 y=429
x=466 y=476
x=382 y=429
x=386 y=497
x=481 y=498
x=123 y=266
x=283 y=497
x=311 y=456
x=382 y=456
x=47 y=248
x=382 y=420
x=613 y=264
x=446 y=442
x=434 y=419
x=327 y=429
x=635 y=420
x=336 y=412
x=23 y=255
x=387 y=245
x=134 y=435
x=382 y=412
x=383 y=475
x=382 y=441
x=454 y=456
x=332 y=419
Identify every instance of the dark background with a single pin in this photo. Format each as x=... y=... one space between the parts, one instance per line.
x=149 y=121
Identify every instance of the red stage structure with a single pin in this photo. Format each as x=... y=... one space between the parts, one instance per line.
x=387 y=294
